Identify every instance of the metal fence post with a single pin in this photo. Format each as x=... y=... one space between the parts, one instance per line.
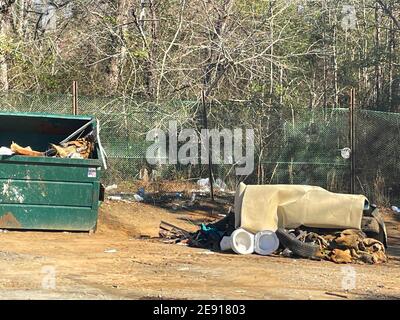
x=210 y=173
x=74 y=98
x=352 y=141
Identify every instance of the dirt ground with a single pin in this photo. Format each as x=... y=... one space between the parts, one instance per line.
x=122 y=261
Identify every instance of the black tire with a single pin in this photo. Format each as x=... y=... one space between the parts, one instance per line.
x=369 y=225
x=301 y=249
x=382 y=234
x=373 y=225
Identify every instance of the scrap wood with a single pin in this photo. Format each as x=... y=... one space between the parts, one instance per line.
x=25 y=151
x=166 y=225
x=171 y=232
x=171 y=241
x=336 y=295
x=167 y=234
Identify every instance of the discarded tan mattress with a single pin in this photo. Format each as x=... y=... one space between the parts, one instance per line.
x=269 y=207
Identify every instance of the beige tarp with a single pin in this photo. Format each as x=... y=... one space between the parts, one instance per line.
x=268 y=207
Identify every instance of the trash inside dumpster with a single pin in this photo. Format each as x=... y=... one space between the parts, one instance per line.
x=50 y=171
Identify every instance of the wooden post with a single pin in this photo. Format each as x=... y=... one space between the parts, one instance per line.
x=74 y=98
x=205 y=123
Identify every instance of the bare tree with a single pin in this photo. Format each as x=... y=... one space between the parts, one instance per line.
x=5 y=26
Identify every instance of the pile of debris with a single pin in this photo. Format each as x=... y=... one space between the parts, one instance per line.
x=173 y=234
x=346 y=246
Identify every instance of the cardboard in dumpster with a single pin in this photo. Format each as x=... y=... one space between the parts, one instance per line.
x=77 y=149
x=25 y=151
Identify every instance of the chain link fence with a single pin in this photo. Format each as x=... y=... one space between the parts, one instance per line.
x=292 y=145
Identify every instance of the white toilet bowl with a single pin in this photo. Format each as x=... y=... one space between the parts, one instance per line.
x=266 y=242
x=226 y=243
x=242 y=242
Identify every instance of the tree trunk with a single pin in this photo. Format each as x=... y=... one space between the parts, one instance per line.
x=4 y=33
x=118 y=59
x=213 y=68
x=271 y=34
x=365 y=51
x=377 y=63
x=335 y=67
x=325 y=57
x=391 y=50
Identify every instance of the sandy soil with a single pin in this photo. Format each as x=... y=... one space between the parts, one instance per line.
x=122 y=261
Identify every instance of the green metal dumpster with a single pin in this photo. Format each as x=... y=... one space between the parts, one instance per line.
x=47 y=193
